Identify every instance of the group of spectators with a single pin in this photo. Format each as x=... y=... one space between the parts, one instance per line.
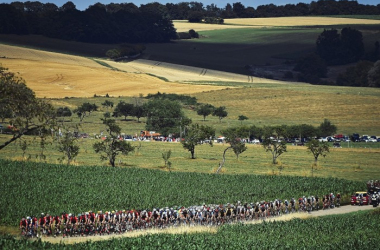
x=120 y=221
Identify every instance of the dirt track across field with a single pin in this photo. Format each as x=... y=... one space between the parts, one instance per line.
x=203 y=229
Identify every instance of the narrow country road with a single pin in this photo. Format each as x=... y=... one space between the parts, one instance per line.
x=205 y=229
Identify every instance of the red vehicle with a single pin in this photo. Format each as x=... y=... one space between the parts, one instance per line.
x=363 y=196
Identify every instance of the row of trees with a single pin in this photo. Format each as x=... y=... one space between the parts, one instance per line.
x=99 y=23
x=125 y=22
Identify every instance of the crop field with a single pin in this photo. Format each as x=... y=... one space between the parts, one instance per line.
x=57 y=75
x=237 y=23
x=82 y=188
x=298 y=21
x=214 y=70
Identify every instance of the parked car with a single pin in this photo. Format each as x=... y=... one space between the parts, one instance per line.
x=323 y=139
x=355 y=198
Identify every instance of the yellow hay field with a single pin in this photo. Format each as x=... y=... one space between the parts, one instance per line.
x=56 y=75
x=15 y=52
x=298 y=21
x=184 y=26
x=55 y=80
x=182 y=73
x=237 y=23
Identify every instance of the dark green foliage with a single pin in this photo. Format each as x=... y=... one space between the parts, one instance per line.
x=85 y=110
x=273 y=141
x=79 y=188
x=18 y=102
x=183 y=35
x=318 y=148
x=68 y=146
x=220 y=112
x=374 y=75
x=327 y=128
x=195 y=17
x=163 y=116
x=241 y=118
x=214 y=20
x=63 y=112
x=125 y=50
x=123 y=109
x=107 y=104
x=193 y=34
x=311 y=68
x=185 y=99
x=205 y=110
x=112 y=146
x=343 y=48
x=196 y=134
x=356 y=75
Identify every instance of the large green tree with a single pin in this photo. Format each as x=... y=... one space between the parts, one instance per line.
x=26 y=113
x=164 y=116
x=327 y=128
x=197 y=134
x=123 y=109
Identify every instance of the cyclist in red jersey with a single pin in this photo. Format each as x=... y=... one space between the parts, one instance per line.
x=23 y=225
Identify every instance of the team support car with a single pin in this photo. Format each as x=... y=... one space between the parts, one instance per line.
x=355 y=198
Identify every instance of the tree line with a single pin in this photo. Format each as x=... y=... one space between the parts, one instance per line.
x=128 y=23
x=99 y=23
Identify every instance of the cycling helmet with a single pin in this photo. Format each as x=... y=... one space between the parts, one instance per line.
x=70 y=215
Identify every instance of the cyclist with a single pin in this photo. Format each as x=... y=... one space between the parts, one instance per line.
x=23 y=226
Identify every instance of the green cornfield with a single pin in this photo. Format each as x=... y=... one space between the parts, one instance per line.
x=352 y=231
x=29 y=189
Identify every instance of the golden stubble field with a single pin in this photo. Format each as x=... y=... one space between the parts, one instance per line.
x=236 y=23
x=57 y=75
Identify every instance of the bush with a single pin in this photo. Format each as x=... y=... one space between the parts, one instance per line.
x=193 y=34
x=183 y=35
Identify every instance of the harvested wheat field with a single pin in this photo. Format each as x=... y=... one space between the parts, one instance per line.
x=57 y=75
x=182 y=73
x=237 y=23
x=298 y=21
x=184 y=26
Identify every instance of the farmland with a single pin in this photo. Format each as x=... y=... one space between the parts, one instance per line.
x=357 y=230
x=214 y=72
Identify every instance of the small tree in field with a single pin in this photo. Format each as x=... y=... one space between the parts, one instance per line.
x=276 y=146
x=220 y=113
x=195 y=135
x=205 y=110
x=317 y=148
x=112 y=146
x=233 y=137
x=166 y=156
x=67 y=146
x=241 y=118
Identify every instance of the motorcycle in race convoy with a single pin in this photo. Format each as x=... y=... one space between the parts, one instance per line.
x=375 y=199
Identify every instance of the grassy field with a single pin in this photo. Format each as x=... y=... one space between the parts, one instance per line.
x=357 y=162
